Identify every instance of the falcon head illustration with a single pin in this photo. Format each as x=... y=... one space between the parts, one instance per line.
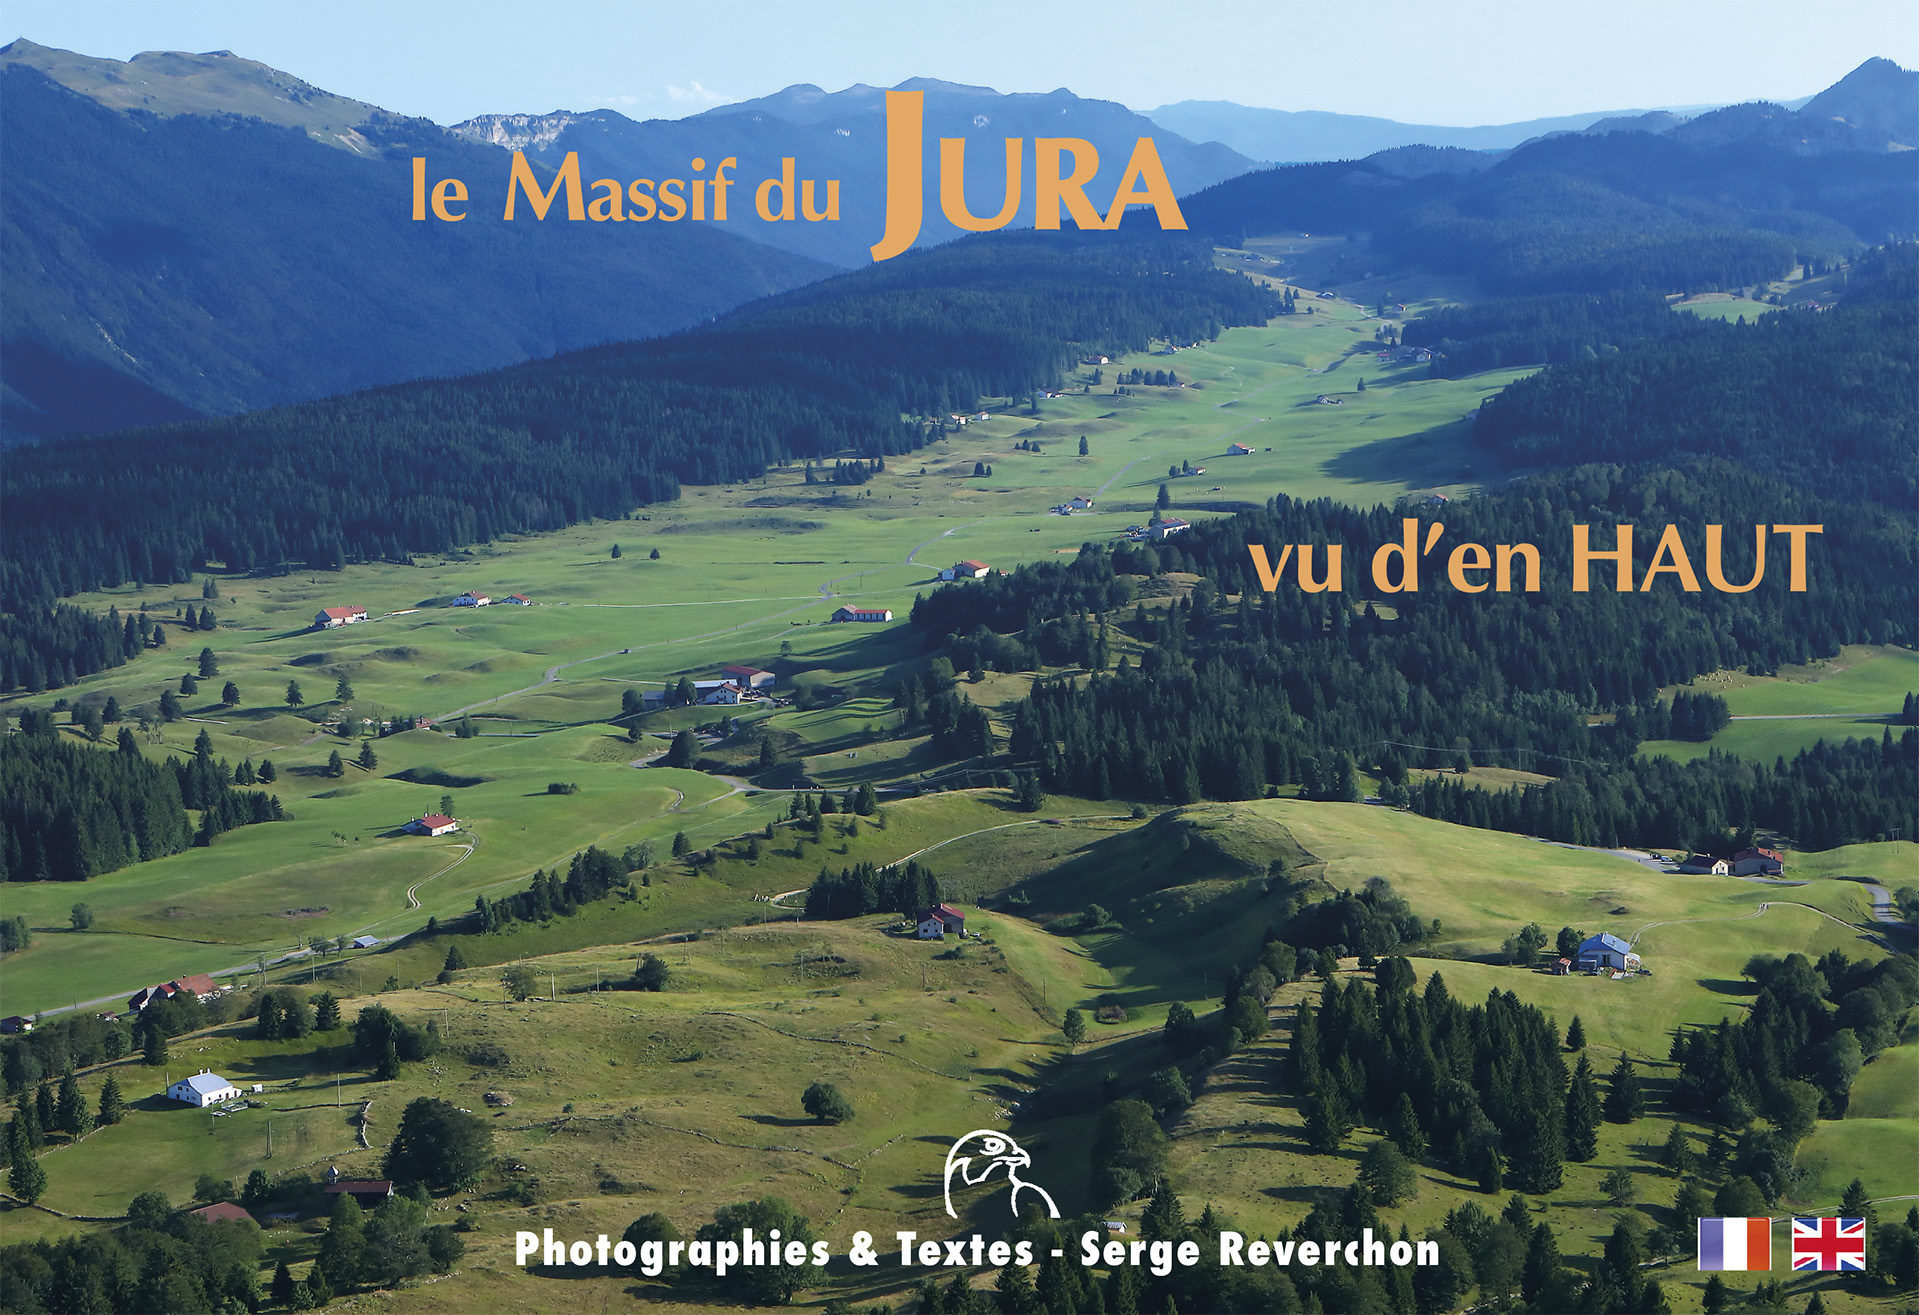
x=983 y=1152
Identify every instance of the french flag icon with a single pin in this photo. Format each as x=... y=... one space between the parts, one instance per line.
x=1735 y=1244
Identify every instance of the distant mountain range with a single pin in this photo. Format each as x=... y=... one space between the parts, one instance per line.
x=163 y=261
x=842 y=135
x=1878 y=101
x=1728 y=198
x=186 y=235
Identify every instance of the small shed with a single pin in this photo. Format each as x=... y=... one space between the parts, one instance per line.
x=365 y=942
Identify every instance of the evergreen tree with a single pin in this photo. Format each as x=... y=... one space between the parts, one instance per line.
x=1164 y=1216
x=1404 y=1130
x=71 y=1114
x=1073 y=1027
x=1582 y=1114
x=229 y=695
x=295 y=699
x=155 y=1047
x=113 y=1106
x=616 y=552
x=281 y=1292
x=1015 y=1291
x=334 y=766
x=209 y=664
x=367 y=760
x=1576 y=1034
x=1625 y=1100
x=343 y=689
x=26 y=1177
x=681 y=845
x=1677 y=1154
x=268 y=775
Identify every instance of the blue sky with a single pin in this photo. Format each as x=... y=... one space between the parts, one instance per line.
x=1480 y=61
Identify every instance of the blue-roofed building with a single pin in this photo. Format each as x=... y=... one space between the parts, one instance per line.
x=1605 y=952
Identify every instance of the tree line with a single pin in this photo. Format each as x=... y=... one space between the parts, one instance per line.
x=843 y=365
x=68 y=813
x=1822 y=401
x=1241 y=690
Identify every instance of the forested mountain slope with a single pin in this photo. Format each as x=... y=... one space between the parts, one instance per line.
x=159 y=267
x=431 y=465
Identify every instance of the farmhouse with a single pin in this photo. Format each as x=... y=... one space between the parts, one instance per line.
x=716 y=691
x=471 y=599
x=749 y=677
x=1081 y=502
x=203 y=1089
x=332 y=618
x=850 y=613
x=433 y=824
x=518 y=600
x=16 y=1024
x=1605 y=951
x=200 y=984
x=949 y=919
x=1758 y=863
x=1706 y=863
x=967 y=570
x=1238 y=450
x=931 y=928
x=369 y=1192
x=222 y=1212
x=1167 y=528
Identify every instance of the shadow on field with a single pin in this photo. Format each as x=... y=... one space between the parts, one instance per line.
x=1728 y=986
x=1443 y=454
x=779 y=1121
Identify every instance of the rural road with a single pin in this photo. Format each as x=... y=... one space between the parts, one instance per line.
x=412 y=892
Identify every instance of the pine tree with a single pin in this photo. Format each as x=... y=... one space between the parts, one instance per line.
x=1582 y=1114
x=1576 y=1035
x=334 y=766
x=1677 y=1154
x=367 y=759
x=156 y=1046
x=295 y=699
x=343 y=689
x=26 y=1177
x=209 y=665
x=268 y=774
x=1625 y=1100
x=229 y=695
x=113 y=1106
x=1015 y=1290
x=1164 y=1217
x=326 y=1012
x=71 y=1114
x=616 y=552
x=1404 y=1130
x=282 y=1290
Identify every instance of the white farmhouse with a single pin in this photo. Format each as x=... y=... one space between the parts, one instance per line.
x=203 y=1089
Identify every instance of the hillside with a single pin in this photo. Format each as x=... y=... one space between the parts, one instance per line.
x=1735 y=196
x=139 y=245
x=811 y=375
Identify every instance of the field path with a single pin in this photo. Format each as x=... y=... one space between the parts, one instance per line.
x=929 y=543
x=412 y=892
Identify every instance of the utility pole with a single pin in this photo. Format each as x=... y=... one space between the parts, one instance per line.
x=269 y=1139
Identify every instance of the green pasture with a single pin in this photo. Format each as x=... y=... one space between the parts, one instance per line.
x=1853 y=695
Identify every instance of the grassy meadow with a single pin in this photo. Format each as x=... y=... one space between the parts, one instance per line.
x=1855 y=695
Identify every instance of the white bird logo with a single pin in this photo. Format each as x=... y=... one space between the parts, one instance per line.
x=975 y=1156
